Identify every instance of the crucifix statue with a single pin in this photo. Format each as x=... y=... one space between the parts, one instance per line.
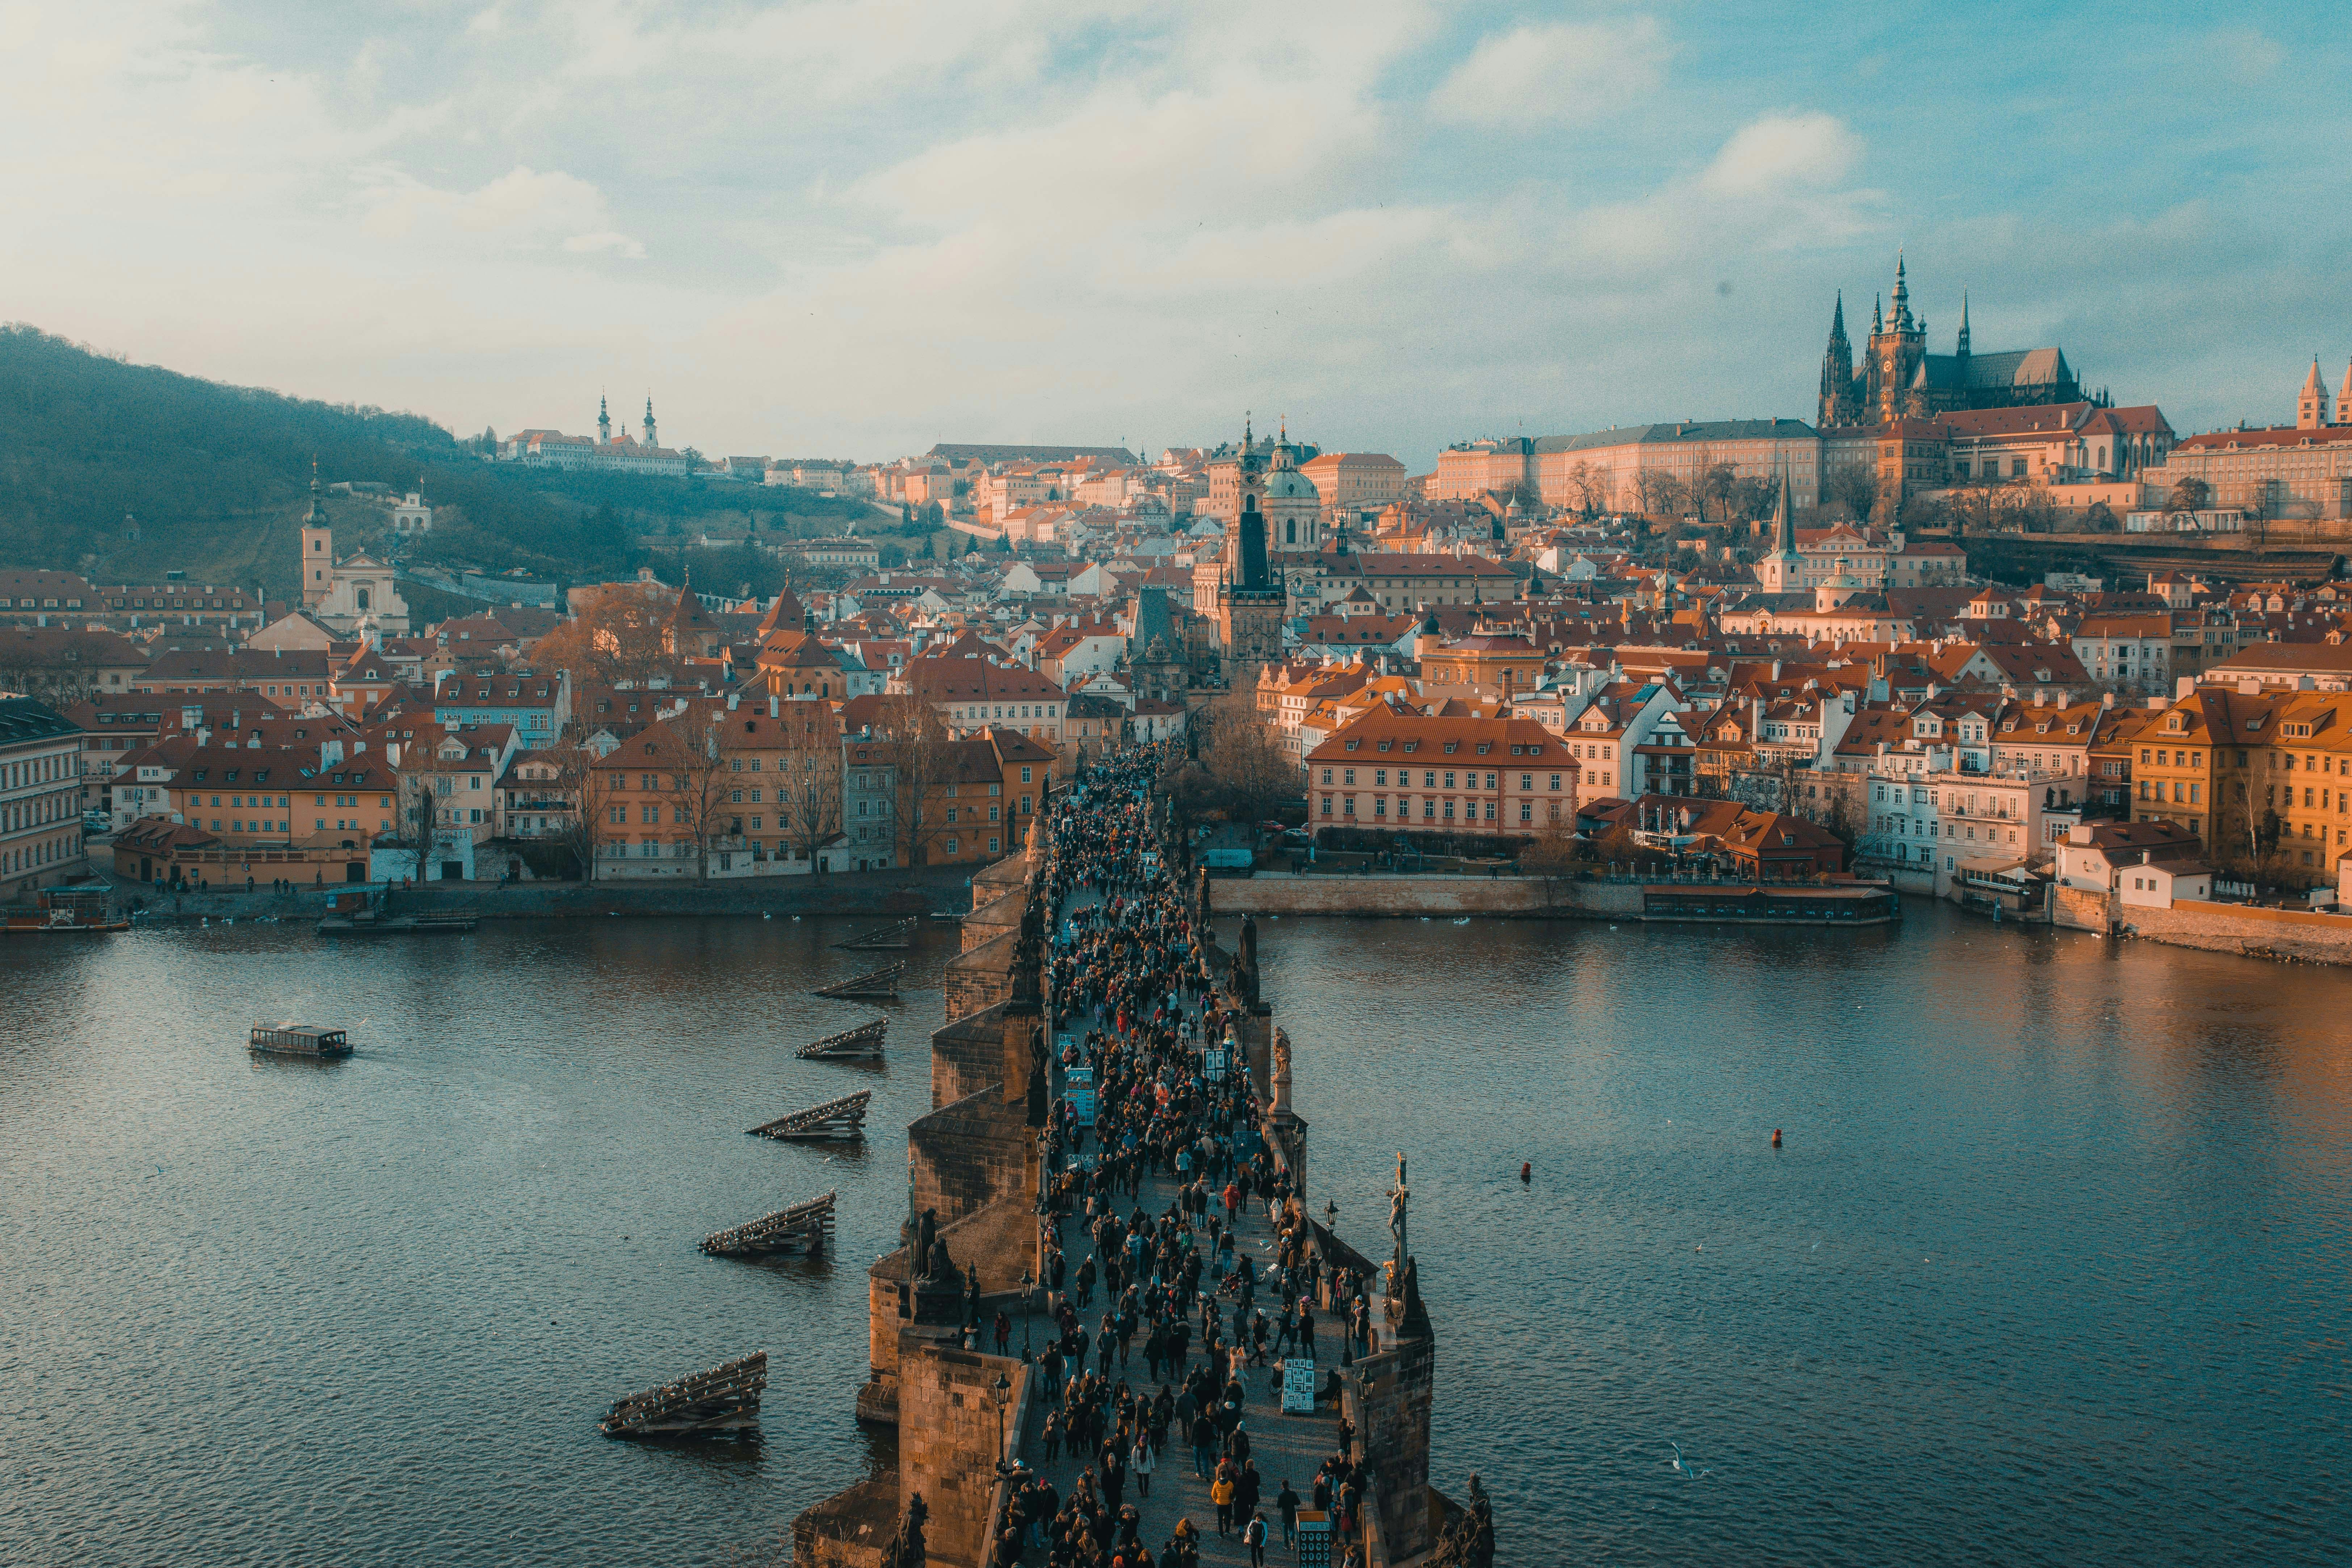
x=1400 y=1198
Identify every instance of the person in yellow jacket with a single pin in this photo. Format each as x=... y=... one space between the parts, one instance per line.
x=1220 y=1492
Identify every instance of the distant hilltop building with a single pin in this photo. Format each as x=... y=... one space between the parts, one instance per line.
x=959 y=452
x=605 y=453
x=1900 y=379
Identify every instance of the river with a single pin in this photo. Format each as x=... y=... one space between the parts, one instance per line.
x=2050 y=1266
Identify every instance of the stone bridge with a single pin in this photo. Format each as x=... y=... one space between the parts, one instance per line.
x=975 y=1158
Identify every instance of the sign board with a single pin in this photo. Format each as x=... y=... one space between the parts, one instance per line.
x=1213 y=1062
x=1298 y=1385
x=1078 y=1084
x=1314 y=1539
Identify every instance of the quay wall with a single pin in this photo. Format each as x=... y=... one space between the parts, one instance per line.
x=2306 y=935
x=1280 y=893
x=881 y=895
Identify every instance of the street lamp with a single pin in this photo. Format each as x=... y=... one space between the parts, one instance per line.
x=1002 y=1391
x=1028 y=1305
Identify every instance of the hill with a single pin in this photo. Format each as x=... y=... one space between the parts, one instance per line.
x=216 y=478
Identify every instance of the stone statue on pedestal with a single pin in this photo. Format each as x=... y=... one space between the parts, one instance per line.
x=906 y=1550
x=1400 y=1200
x=1280 y=1079
x=1246 y=962
x=927 y=1233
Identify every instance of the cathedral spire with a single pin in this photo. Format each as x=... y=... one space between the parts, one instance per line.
x=1964 y=324
x=1902 y=296
x=649 y=421
x=1877 y=320
x=1837 y=318
x=603 y=421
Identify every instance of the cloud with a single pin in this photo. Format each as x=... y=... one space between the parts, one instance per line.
x=1563 y=73
x=2243 y=54
x=1783 y=152
x=521 y=208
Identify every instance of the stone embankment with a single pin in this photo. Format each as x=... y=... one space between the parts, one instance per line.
x=867 y=893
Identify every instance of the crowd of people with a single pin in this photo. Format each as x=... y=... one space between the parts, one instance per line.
x=1158 y=1096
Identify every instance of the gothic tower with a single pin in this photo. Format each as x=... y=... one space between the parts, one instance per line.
x=2311 y=405
x=1250 y=611
x=1896 y=353
x=1839 y=405
x=1781 y=570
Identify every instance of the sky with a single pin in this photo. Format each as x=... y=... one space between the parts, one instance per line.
x=853 y=227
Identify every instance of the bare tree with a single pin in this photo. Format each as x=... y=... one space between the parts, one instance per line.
x=1714 y=484
x=693 y=748
x=810 y=795
x=921 y=755
x=1855 y=489
x=1587 y=487
x=594 y=792
x=617 y=639
x=1253 y=770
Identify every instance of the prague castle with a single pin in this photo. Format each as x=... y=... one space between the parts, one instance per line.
x=1900 y=379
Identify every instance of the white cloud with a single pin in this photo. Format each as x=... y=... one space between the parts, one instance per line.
x=1783 y=152
x=1565 y=72
x=522 y=207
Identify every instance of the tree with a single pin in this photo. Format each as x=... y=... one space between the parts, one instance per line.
x=592 y=790
x=1856 y=489
x=619 y=637
x=417 y=814
x=810 y=804
x=701 y=743
x=1588 y=488
x=1714 y=484
x=1554 y=854
x=2099 y=518
x=1252 y=770
x=921 y=755
x=2189 y=493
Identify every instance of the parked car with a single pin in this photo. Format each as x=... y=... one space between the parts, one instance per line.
x=97 y=822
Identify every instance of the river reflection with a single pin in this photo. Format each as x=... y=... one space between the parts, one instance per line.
x=2049 y=1268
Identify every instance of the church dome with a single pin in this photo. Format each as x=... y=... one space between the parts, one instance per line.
x=1290 y=484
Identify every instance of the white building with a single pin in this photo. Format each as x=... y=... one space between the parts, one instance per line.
x=412 y=517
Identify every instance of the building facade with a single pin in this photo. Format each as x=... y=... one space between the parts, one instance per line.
x=40 y=797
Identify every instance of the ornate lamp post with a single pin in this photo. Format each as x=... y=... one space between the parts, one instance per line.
x=1001 y=1389
x=1028 y=1305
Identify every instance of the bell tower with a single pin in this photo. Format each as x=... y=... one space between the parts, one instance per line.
x=317 y=550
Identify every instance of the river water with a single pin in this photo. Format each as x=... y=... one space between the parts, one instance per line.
x=2050 y=1267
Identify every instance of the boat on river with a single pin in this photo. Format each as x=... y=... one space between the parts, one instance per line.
x=299 y=1040
x=366 y=924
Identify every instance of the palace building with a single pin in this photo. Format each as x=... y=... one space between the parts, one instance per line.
x=1900 y=379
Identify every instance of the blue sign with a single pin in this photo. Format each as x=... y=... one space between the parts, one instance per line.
x=1298 y=1385
x=1078 y=1086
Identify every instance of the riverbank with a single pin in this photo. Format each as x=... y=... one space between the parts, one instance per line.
x=881 y=894
x=1550 y=898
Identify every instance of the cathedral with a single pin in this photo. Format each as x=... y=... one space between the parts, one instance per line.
x=1900 y=379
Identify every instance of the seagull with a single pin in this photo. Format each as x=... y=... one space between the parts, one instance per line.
x=1676 y=1462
